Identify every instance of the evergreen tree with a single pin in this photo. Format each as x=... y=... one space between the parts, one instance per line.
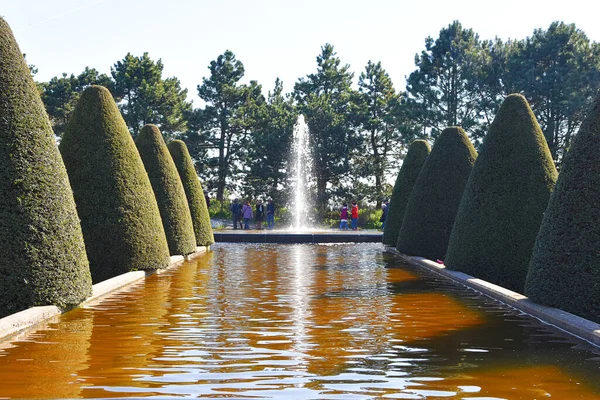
x=193 y=193
x=380 y=133
x=270 y=147
x=435 y=198
x=119 y=215
x=445 y=89
x=558 y=71
x=325 y=98
x=504 y=200
x=564 y=271
x=60 y=95
x=146 y=98
x=229 y=116
x=168 y=189
x=407 y=176
x=42 y=253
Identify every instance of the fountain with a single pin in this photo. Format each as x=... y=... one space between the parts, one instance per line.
x=301 y=176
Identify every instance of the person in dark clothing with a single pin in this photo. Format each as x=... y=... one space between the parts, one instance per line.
x=270 y=214
x=259 y=214
x=235 y=213
x=384 y=207
x=207 y=199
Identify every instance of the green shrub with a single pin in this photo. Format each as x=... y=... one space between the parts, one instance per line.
x=219 y=210
x=415 y=157
x=42 y=253
x=119 y=215
x=565 y=271
x=193 y=192
x=168 y=189
x=504 y=200
x=435 y=198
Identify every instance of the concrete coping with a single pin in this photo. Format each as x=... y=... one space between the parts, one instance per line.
x=22 y=320
x=291 y=237
x=576 y=326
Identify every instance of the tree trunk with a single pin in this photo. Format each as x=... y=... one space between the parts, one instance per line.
x=222 y=173
x=321 y=197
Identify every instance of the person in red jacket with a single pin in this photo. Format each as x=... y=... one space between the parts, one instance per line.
x=354 y=215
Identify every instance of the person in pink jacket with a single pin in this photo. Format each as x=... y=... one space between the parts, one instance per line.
x=247 y=214
x=344 y=217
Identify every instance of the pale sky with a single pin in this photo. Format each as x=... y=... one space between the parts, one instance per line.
x=273 y=38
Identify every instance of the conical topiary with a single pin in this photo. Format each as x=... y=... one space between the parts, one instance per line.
x=565 y=271
x=407 y=176
x=168 y=189
x=193 y=192
x=42 y=254
x=435 y=198
x=119 y=216
x=504 y=200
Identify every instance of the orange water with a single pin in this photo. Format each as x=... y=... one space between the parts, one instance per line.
x=298 y=321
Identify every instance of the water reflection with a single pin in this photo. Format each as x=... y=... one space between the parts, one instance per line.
x=301 y=321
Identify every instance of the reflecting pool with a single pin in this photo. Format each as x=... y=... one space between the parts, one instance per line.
x=341 y=321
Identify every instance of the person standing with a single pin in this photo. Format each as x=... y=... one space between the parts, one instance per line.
x=247 y=214
x=241 y=216
x=235 y=213
x=384 y=208
x=354 y=215
x=270 y=214
x=259 y=214
x=344 y=217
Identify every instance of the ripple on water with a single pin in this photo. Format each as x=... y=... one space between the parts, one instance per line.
x=300 y=321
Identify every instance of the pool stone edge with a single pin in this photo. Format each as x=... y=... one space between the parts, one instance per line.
x=574 y=325
x=17 y=323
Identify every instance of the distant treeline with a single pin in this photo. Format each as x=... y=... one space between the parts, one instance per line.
x=240 y=139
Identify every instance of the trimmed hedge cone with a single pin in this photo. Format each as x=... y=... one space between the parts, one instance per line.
x=168 y=189
x=564 y=271
x=120 y=220
x=505 y=198
x=407 y=176
x=193 y=192
x=435 y=198
x=42 y=253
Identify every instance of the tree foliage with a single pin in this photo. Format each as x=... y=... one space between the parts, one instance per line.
x=502 y=207
x=558 y=71
x=445 y=89
x=564 y=271
x=269 y=150
x=168 y=190
x=405 y=181
x=229 y=116
x=60 y=95
x=146 y=98
x=119 y=215
x=436 y=195
x=193 y=193
x=377 y=112
x=325 y=99
x=357 y=136
x=42 y=253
